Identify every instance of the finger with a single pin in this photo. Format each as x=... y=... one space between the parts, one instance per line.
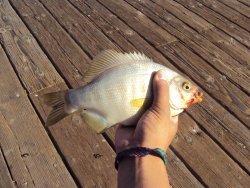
x=161 y=93
x=174 y=120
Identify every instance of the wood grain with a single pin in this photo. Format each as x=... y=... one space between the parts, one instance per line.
x=233 y=139
x=245 y=2
x=89 y=38
x=238 y=6
x=82 y=145
x=196 y=22
x=215 y=168
x=5 y=177
x=229 y=45
x=14 y=158
x=95 y=26
x=241 y=153
x=41 y=160
x=203 y=47
x=68 y=56
x=228 y=12
x=218 y=21
x=24 y=52
x=77 y=166
x=241 y=107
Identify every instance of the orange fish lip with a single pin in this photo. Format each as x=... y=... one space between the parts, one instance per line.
x=197 y=98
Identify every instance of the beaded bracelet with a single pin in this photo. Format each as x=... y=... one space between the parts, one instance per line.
x=139 y=152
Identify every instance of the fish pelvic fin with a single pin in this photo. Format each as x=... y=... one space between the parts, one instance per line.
x=57 y=101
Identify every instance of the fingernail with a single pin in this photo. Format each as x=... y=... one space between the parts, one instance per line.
x=161 y=75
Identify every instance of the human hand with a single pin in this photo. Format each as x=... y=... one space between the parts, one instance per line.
x=156 y=128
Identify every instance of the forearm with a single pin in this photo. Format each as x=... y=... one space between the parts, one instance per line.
x=148 y=171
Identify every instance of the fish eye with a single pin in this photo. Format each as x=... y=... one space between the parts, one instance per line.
x=186 y=86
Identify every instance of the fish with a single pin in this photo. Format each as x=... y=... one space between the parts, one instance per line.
x=118 y=90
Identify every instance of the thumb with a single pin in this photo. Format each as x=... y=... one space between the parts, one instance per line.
x=161 y=94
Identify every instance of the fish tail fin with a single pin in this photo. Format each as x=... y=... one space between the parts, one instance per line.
x=57 y=100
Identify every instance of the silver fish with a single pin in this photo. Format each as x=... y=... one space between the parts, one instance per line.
x=119 y=90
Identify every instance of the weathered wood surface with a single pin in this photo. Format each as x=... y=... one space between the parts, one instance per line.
x=217 y=20
x=97 y=14
x=190 y=64
x=83 y=146
x=245 y=2
x=25 y=144
x=77 y=167
x=228 y=12
x=210 y=47
x=5 y=177
x=94 y=17
x=238 y=6
x=24 y=52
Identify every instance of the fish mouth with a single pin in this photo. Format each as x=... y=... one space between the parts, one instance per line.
x=197 y=98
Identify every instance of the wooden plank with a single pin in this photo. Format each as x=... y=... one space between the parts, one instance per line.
x=69 y=57
x=228 y=93
x=192 y=19
x=189 y=179
x=14 y=157
x=227 y=141
x=217 y=20
x=156 y=35
x=5 y=177
x=81 y=153
x=229 y=44
x=238 y=6
x=77 y=166
x=215 y=56
x=224 y=129
x=228 y=12
x=24 y=51
x=115 y=29
x=39 y=155
x=226 y=136
x=245 y=2
x=215 y=168
x=88 y=37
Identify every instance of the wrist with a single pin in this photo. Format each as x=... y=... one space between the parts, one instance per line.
x=139 y=152
x=148 y=171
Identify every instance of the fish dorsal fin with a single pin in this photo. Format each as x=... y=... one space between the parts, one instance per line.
x=111 y=58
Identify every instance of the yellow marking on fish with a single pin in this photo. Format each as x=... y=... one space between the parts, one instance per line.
x=137 y=102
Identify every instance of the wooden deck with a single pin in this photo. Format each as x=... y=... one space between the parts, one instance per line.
x=47 y=45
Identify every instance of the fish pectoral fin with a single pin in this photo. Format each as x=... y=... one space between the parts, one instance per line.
x=137 y=102
x=141 y=103
x=97 y=122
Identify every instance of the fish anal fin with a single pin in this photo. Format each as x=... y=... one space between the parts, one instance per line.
x=97 y=122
